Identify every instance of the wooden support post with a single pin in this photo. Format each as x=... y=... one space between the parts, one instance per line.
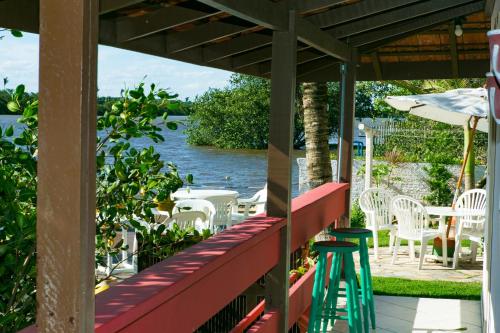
x=453 y=50
x=491 y=269
x=346 y=137
x=279 y=175
x=66 y=166
x=377 y=66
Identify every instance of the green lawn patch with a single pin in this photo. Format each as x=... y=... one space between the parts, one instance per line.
x=431 y=289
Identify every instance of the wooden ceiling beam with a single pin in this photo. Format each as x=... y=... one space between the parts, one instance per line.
x=130 y=28
x=394 y=16
x=305 y=6
x=235 y=46
x=275 y=16
x=416 y=24
x=355 y=11
x=265 y=54
x=201 y=34
x=107 y=6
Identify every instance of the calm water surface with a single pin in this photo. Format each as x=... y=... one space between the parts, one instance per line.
x=241 y=170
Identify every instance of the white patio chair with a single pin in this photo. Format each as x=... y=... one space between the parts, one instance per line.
x=223 y=208
x=413 y=225
x=376 y=204
x=250 y=206
x=470 y=227
x=187 y=219
x=197 y=205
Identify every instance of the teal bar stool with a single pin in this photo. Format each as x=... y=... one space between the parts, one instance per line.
x=324 y=310
x=364 y=271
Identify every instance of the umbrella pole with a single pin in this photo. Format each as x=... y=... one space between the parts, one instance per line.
x=462 y=170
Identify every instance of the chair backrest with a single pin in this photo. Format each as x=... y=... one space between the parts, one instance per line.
x=260 y=200
x=199 y=205
x=186 y=219
x=223 y=207
x=376 y=204
x=411 y=215
x=473 y=199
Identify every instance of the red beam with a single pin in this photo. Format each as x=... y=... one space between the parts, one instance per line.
x=269 y=323
x=315 y=210
x=182 y=292
x=250 y=318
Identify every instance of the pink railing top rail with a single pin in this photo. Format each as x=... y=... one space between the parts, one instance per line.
x=181 y=293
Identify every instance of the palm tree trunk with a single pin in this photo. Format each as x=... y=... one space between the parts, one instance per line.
x=319 y=168
x=470 y=165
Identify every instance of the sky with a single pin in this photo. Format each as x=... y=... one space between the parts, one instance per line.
x=117 y=69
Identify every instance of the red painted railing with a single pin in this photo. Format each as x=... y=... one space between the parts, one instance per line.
x=184 y=291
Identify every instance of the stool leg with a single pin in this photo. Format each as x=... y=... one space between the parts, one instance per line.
x=317 y=295
x=365 y=265
x=350 y=296
x=333 y=289
x=352 y=291
x=364 y=282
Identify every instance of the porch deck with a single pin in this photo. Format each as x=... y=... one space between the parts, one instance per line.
x=423 y=315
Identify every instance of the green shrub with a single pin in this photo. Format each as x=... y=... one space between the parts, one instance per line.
x=358 y=218
x=128 y=182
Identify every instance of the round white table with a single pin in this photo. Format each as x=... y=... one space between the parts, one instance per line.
x=444 y=212
x=184 y=193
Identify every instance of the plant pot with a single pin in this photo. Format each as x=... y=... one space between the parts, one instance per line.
x=438 y=247
x=166 y=205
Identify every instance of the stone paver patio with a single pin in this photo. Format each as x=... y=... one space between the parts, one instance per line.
x=431 y=270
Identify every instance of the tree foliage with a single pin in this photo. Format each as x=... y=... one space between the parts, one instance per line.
x=237 y=116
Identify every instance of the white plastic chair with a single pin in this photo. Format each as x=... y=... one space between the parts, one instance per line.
x=376 y=204
x=413 y=225
x=197 y=205
x=187 y=219
x=470 y=226
x=250 y=206
x=223 y=207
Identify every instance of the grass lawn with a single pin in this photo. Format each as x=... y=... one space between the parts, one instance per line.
x=383 y=240
x=432 y=289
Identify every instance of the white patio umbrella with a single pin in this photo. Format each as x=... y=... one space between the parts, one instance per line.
x=454 y=107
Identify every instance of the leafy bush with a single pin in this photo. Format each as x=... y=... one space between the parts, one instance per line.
x=439 y=183
x=128 y=182
x=358 y=218
x=155 y=245
x=18 y=219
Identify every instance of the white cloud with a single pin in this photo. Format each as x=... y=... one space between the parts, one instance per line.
x=117 y=69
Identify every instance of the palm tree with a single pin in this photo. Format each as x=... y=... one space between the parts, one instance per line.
x=319 y=170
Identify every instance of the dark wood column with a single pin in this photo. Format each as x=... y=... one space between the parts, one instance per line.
x=66 y=167
x=348 y=95
x=280 y=155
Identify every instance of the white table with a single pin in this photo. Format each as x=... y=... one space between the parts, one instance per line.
x=444 y=212
x=184 y=193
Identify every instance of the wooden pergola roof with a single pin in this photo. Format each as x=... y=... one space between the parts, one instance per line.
x=395 y=39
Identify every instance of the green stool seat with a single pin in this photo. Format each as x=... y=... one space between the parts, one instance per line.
x=324 y=310
x=366 y=289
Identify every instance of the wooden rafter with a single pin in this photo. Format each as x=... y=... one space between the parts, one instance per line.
x=275 y=16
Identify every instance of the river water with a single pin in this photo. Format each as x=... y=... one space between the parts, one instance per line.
x=240 y=170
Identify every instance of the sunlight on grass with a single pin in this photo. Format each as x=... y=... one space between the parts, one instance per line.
x=432 y=289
